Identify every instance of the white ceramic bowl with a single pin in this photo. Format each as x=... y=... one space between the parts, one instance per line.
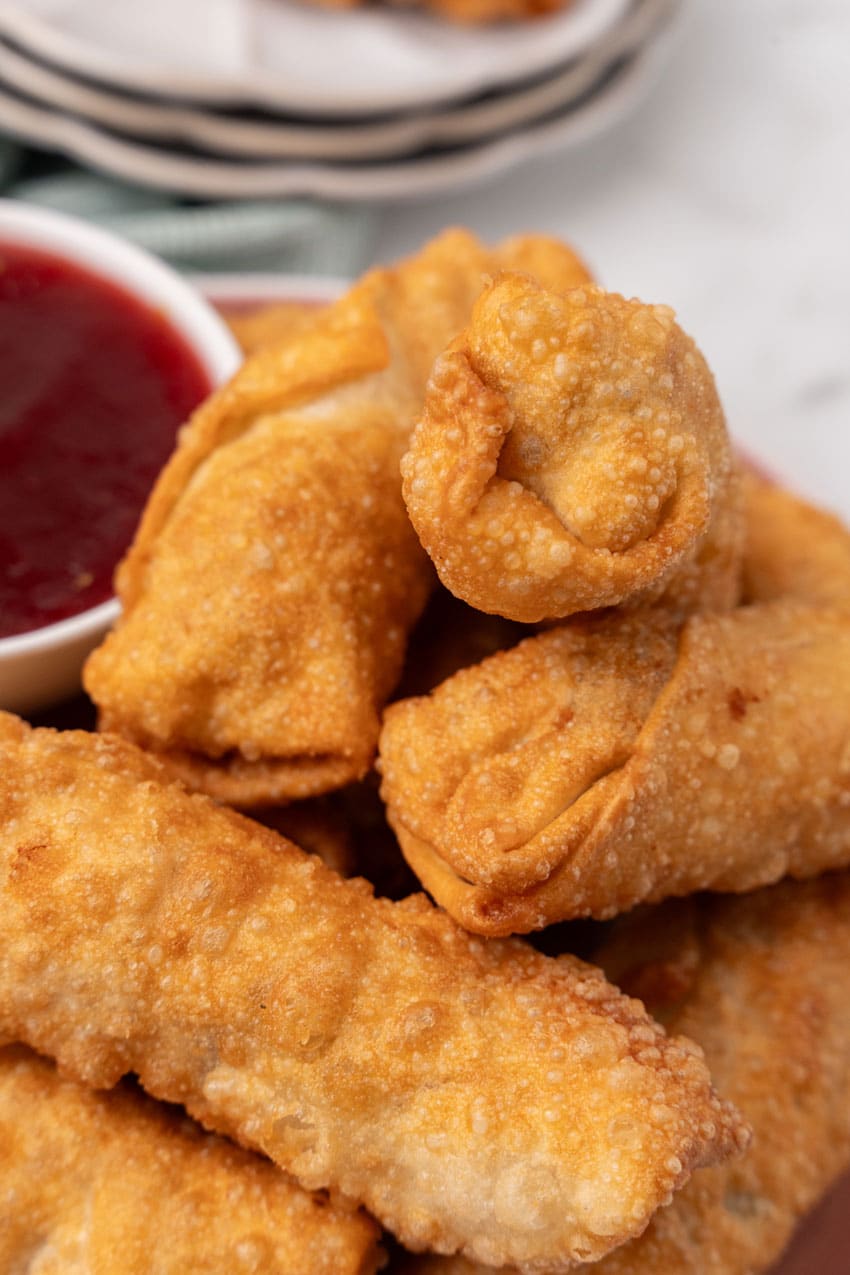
x=43 y=667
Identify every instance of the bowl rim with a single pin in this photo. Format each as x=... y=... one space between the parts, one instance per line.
x=149 y=280
x=71 y=629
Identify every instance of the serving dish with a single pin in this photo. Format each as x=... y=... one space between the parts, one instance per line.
x=278 y=136
x=196 y=173
x=305 y=59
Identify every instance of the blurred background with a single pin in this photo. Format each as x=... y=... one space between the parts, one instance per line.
x=696 y=152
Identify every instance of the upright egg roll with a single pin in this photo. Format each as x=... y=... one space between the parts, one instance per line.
x=274 y=578
x=762 y=982
x=572 y=454
x=610 y=762
x=114 y=1182
x=475 y=1097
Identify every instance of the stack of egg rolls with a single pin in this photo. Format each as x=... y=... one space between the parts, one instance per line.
x=349 y=1038
x=275 y=576
x=640 y=753
x=641 y=690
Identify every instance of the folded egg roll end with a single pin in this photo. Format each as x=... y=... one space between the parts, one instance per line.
x=572 y=455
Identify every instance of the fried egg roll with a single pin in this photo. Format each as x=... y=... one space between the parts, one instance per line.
x=611 y=762
x=268 y=595
x=762 y=983
x=107 y=1182
x=572 y=455
x=475 y=1097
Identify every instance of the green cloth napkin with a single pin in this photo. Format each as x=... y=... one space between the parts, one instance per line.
x=297 y=236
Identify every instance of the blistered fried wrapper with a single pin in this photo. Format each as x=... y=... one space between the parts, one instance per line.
x=115 y=1182
x=762 y=983
x=573 y=455
x=475 y=1097
x=607 y=763
x=268 y=595
x=270 y=324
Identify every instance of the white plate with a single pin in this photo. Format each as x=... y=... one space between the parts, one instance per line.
x=281 y=138
x=282 y=54
x=205 y=177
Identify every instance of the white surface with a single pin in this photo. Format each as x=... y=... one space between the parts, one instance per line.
x=404 y=179
x=282 y=138
x=727 y=195
x=287 y=54
x=39 y=668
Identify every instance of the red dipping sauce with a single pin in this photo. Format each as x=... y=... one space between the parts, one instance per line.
x=93 y=388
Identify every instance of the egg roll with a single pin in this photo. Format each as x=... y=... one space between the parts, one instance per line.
x=474 y=1097
x=106 y=1182
x=272 y=583
x=627 y=759
x=572 y=454
x=762 y=983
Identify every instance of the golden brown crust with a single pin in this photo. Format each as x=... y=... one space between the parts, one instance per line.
x=275 y=575
x=267 y=324
x=793 y=549
x=350 y=1038
x=572 y=455
x=107 y=1182
x=762 y=984
x=544 y=258
x=600 y=765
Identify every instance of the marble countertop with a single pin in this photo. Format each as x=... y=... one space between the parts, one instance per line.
x=726 y=195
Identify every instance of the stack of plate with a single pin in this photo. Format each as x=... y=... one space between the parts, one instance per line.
x=253 y=98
